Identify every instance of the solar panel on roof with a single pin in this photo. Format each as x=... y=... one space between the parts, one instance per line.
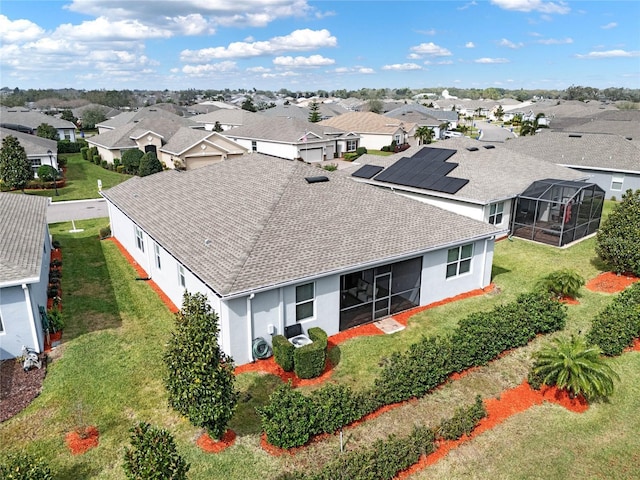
x=367 y=171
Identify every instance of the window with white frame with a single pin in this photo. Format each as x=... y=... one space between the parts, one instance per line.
x=616 y=182
x=305 y=299
x=254 y=146
x=459 y=260
x=139 y=239
x=352 y=145
x=495 y=213
x=156 y=251
x=181 y=278
x=398 y=139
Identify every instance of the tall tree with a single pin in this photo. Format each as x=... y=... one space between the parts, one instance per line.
x=314 y=112
x=15 y=169
x=47 y=131
x=200 y=379
x=68 y=116
x=91 y=116
x=424 y=135
x=375 y=105
x=248 y=105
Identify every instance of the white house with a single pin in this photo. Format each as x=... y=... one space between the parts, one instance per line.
x=472 y=178
x=272 y=243
x=28 y=121
x=40 y=151
x=25 y=250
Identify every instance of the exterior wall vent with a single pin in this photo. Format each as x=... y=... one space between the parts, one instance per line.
x=318 y=179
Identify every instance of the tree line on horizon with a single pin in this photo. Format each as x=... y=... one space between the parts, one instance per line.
x=132 y=98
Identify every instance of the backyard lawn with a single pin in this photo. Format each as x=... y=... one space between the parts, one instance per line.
x=108 y=373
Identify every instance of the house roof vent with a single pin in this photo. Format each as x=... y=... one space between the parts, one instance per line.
x=317 y=179
x=575 y=135
x=489 y=147
x=629 y=138
x=472 y=149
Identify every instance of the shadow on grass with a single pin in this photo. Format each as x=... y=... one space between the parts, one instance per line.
x=246 y=420
x=497 y=270
x=78 y=471
x=88 y=299
x=599 y=264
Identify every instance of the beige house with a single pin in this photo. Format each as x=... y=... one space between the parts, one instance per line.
x=191 y=149
x=375 y=131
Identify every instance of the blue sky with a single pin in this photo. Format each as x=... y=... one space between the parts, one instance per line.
x=311 y=45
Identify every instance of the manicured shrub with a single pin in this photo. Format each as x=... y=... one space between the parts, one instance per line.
x=619 y=235
x=149 y=164
x=562 y=283
x=116 y=162
x=153 y=455
x=67 y=146
x=97 y=159
x=46 y=173
x=105 y=232
x=104 y=164
x=618 y=324
x=571 y=364
x=131 y=160
x=84 y=151
x=332 y=407
x=309 y=360
x=283 y=352
x=286 y=418
x=120 y=169
x=463 y=421
x=318 y=335
x=361 y=151
x=24 y=466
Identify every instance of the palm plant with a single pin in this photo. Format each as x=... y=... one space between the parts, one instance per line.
x=531 y=127
x=573 y=365
x=562 y=283
x=424 y=135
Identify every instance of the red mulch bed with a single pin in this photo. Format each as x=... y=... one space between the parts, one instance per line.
x=209 y=445
x=17 y=387
x=78 y=443
x=609 y=282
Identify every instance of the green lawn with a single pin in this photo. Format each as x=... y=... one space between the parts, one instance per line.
x=108 y=372
x=82 y=180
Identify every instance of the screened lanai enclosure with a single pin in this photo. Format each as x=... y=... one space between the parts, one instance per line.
x=558 y=212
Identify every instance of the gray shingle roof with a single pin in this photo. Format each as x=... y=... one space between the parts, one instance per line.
x=235 y=117
x=32 y=119
x=32 y=144
x=122 y=137
x=267 y=225
x=366 y=122
x=587 y=150
x=23 y=222
x=280 y=129
x=493 y=174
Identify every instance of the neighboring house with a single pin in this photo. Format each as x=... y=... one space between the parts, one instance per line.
x=287 y=111
x=469 y=177
x=189 y=148
x=28 y=121
x=109 y=112
x=610 y=161
x=148 y=132
x=294 y=139
x=375 y=131
x=25 y=250
x=272 y=243
x=431 y=117
x=227 y=118
x=40 y=151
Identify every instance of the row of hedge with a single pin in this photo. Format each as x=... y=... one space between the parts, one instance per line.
x=386 y=458
x=67 y=146
x=618 y=324
x=291 y=419
x=307 y=361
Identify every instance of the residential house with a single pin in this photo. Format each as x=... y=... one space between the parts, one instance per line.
x=375 y=131
x=189 y=148
x=273 y=243
x=294 y=139
x=227 y=118
x=28 y=121
x=40 y=151
x=469 y=177
x=610 y=161
x=25 y=250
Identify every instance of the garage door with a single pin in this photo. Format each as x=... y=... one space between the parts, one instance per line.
x=312 y=154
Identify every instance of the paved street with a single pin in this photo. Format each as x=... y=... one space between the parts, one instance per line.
x=492 y=132
x=76 y=210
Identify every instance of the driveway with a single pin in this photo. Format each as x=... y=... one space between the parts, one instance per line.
x=76 y=210
x=492 y=132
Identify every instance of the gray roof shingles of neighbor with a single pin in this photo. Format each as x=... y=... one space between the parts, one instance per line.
x=253 y=222
x=23 y=220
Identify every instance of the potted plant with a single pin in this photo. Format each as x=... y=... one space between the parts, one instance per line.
x=56 y=325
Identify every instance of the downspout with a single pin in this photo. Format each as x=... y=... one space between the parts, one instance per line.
x=281 y=319
x=34 y=334
x=249 y=325
x=484 y=263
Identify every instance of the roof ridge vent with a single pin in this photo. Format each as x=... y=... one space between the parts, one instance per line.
x=489 y=147
x=472 y=149
x=318 y=179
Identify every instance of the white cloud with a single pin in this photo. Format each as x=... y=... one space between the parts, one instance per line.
x=288 y=73
x=366 y=70
x=555 y=41
x=431 y=32
x=18 y=31
x=469 y=45
x=488 y=60
x=533 y=6
x=312 y=61
x=609 y=26
x=430 y=49
x=402 y=66
x=258 y=69
x=202 y=70
x=509 y=44
x=102 y=29
x=298 y=40
x=609 y=54
x=414 y=56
